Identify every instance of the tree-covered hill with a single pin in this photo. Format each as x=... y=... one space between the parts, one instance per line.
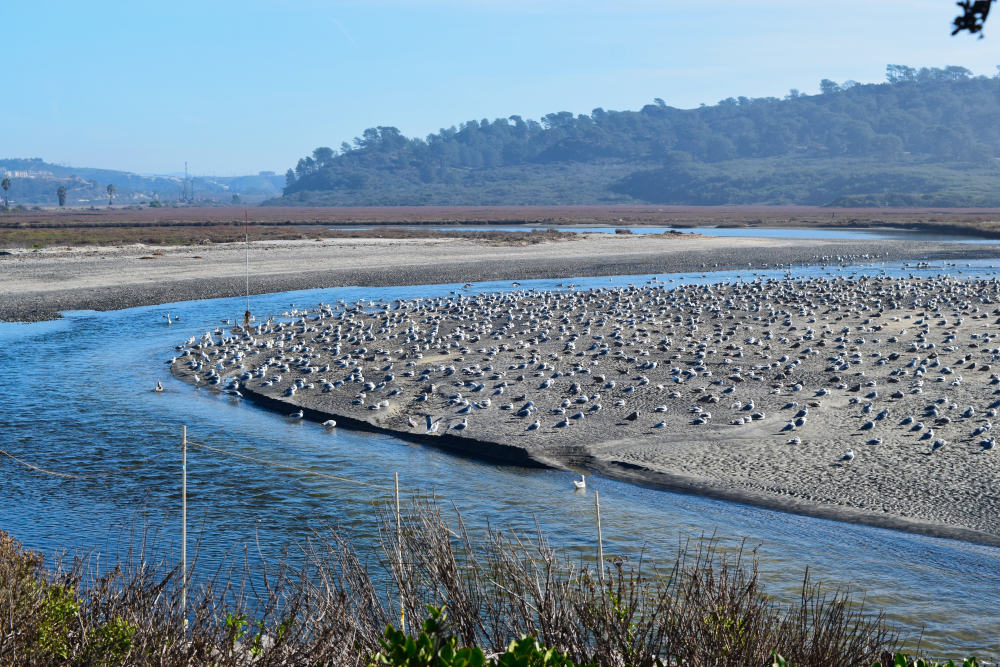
x=924 y=137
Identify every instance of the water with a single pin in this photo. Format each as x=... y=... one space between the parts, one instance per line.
x=752 y=232
x=77 y=399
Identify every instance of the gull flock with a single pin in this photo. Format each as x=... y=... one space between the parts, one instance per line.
x=867 y=361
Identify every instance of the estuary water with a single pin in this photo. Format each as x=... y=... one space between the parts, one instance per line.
x=748 y=232
x=76 y=396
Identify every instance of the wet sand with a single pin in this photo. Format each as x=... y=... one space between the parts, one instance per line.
x=750 y=392
x=36 y=285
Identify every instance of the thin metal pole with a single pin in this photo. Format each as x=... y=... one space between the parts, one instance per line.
x=399 y=558
x=246 y=222
x=184 y=523
x=600 y=542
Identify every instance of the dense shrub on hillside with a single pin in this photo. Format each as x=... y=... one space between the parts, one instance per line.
x=936 y=123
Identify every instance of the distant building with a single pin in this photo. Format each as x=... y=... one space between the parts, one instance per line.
x=25 y=174
x=266 y=173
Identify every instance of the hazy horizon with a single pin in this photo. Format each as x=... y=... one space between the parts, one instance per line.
x=237 y=89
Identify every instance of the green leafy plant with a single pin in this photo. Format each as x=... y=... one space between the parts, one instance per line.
x=434 y=648
x=112 y=641
x=900 y=660
x=60 y=609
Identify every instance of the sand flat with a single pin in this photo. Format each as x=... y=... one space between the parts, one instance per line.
x=37 y=285
x=750 y=391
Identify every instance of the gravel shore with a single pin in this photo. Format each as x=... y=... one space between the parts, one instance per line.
x=37 y=285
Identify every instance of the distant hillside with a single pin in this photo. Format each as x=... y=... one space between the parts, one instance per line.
x=927 y=137
x=35 y=182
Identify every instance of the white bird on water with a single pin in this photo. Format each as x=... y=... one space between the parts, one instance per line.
x=582 y=484
x=296 y=415
x=329 y=423
x=159 y=387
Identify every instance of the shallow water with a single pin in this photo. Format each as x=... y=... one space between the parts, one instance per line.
x=754 y=232
x=77 y=399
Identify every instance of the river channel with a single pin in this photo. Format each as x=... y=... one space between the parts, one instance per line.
x=76 y=396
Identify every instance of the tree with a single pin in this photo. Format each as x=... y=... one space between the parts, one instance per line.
x=236 y=199
x=61 y=193
x=289 y=177
x=658 y=101
x=982 y=155
x=111 y=194
x=323 y=155
x=827 y=87
x=5 y=184
x=900 y=74
x=888 y=146
x=973 y=17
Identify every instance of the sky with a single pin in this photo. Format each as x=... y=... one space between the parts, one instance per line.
x=235 y=88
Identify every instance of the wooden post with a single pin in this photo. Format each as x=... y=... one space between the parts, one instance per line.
x=184 y=524
x=399 y=558
x=600 y=544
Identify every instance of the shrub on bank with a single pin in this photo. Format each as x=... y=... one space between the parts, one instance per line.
x=340 y=608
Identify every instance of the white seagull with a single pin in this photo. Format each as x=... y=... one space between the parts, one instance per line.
x=582 y=484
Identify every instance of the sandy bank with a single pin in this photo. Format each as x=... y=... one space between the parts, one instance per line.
x=37 y=285
x=745 y=392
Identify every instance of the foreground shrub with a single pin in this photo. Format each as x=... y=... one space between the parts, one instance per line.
x=333 y=608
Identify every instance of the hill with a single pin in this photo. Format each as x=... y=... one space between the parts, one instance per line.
x=35 y=182
x=927 y=137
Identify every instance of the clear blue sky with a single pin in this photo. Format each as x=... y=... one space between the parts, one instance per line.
x=239 y=87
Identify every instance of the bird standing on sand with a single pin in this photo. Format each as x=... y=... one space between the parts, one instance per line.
x=582 y=484
x=432 y=426
x=848 y=457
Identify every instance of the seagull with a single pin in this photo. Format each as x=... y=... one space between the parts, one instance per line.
x=582 y=484
x=432 y=426
x=461 y=426
x=296 y=415
x=410 y=422
x=329 y=423
x=534 y=426
x=848 y=457
x=158 y=388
